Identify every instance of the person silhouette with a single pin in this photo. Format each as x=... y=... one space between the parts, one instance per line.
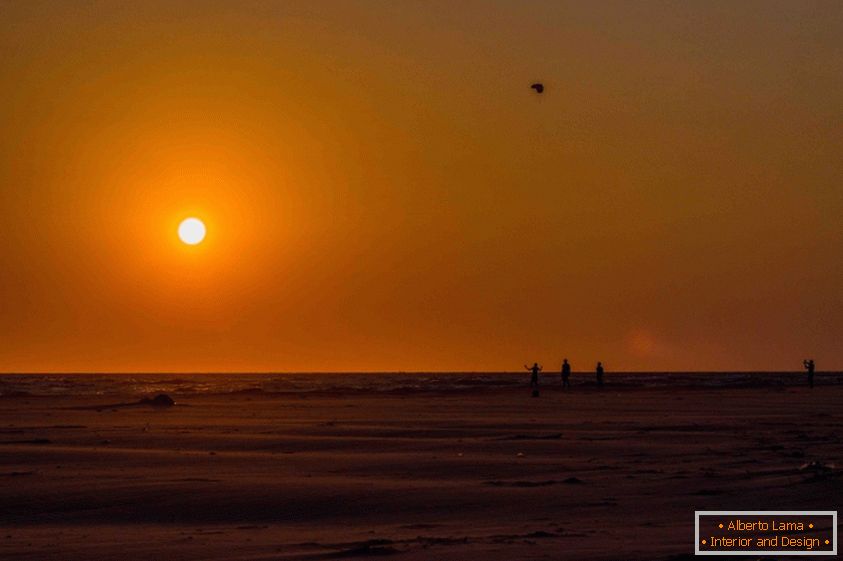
x=599 y=371
x=809 y=366
x=534 y=377
x=566 y=373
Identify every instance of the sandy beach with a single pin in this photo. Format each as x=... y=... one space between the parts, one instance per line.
x=463 y=475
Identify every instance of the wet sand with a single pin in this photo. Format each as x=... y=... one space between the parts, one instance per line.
x=493 y=475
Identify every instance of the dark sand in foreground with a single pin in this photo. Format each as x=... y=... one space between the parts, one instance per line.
x=494 y=475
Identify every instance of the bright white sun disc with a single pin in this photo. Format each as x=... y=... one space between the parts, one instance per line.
x=191 y=231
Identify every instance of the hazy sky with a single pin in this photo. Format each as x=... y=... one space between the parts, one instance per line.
x=383 y=191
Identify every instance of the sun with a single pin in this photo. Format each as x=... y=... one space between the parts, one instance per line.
x=191 y=231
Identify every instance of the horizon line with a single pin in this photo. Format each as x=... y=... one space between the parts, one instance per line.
x=378 y=372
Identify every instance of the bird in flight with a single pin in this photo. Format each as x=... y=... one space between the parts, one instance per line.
x=538 y=86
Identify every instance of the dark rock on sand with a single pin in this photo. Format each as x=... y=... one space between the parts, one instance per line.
x=160 y=400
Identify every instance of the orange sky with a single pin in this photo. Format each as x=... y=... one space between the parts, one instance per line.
x=383 y=191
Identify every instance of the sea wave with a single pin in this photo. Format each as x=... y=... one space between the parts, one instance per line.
x=181 y=384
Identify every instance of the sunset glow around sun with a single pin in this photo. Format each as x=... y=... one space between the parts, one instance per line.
x=191 y=186
x=192 y=231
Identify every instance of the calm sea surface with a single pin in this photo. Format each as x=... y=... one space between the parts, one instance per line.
x=190 y=384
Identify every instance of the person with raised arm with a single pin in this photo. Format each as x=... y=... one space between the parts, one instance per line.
x=534 y=377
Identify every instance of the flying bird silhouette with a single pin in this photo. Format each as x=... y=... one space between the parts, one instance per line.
x=538 y=86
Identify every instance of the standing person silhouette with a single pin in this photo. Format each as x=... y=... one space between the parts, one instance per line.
x=809 y=366
x=534 y=377
x=599 y=370
x=566 y=373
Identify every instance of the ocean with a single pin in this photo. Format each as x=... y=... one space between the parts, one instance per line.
x=181 y=384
